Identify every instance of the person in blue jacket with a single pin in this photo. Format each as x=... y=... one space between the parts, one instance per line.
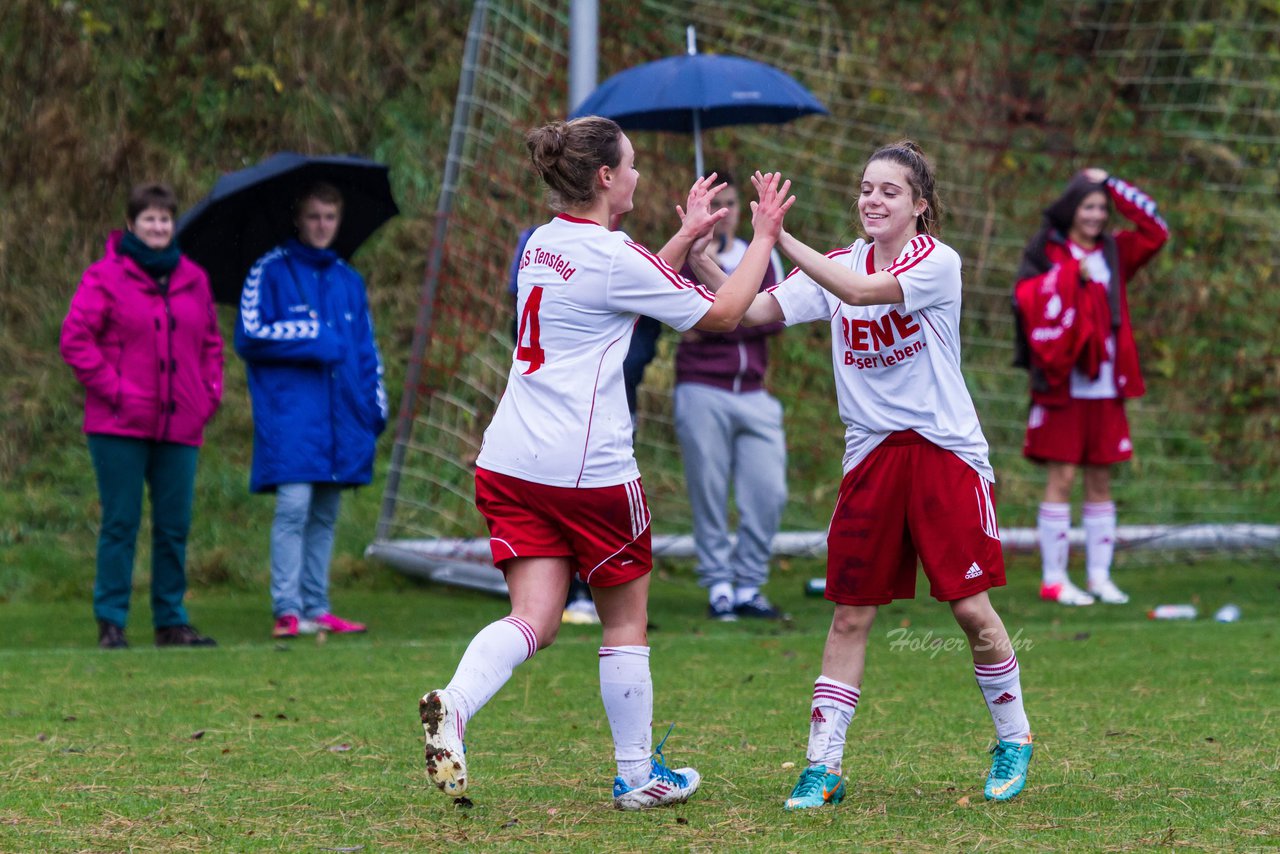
x=319 y=404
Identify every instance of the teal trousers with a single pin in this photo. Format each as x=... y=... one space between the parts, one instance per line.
x=123 y=465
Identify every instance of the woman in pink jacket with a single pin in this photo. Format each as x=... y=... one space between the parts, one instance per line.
x=142 y=337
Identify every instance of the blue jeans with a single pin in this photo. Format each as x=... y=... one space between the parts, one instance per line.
x=123 y=465
x=732 y=437
x=301 y=546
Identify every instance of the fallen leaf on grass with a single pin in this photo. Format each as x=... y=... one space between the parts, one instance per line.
x=787 y=766
x=681 y=820
x=552 y=811
x=197 y=735
x=963 y=802
x=41 y=737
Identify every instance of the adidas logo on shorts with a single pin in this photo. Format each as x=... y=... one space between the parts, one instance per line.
x=974 y=572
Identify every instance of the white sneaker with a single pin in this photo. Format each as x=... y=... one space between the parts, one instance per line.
x=1065 y=593
x=580 y=612
x=663 y=787
x=445 y=752
x=1106 y=591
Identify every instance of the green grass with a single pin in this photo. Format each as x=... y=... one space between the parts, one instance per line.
x=1148 y=733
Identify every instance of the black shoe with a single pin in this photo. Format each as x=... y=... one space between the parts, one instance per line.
x=759 y=608
x=111 y=636
x=721 y=608
x=182 y=636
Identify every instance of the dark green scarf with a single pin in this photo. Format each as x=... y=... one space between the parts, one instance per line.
x=158 y=263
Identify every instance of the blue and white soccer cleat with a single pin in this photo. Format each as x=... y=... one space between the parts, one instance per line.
x=663 y=787
x=816 y=788
x=445 y=752
x=1008 y=770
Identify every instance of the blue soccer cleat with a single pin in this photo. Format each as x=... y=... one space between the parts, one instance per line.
x=1008 y=770
x=816 y=788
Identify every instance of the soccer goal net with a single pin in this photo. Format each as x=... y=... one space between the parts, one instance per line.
x=1180 y=97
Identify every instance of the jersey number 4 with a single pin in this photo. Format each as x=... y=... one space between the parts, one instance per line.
x=531 y=352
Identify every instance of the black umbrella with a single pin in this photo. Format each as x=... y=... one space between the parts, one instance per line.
x=250 y=211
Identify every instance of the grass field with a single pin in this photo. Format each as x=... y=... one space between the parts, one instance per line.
x=1149 y=734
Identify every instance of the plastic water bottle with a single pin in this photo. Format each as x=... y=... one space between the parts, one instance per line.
x=1173 y=612
x=815 y=587
x=1227 y=614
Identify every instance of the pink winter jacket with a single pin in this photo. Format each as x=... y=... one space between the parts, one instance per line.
x=151 y=364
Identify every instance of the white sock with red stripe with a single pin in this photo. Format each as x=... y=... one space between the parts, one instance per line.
x=627 y=690
x=1053 y=526
x=1001 y=687
x=487 y=664
x=1099 y=539
x=829 y=716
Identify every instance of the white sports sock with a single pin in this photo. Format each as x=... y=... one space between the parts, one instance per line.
x=718 y=590
x=627 y=690
x=487 y=664
x=1001 y=687
x=1099 y=539
x=829 y=716
x=743 y=595
x=1054 y=528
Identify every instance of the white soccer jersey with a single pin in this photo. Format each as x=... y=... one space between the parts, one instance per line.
x=897 y=366
x=1103 y=387
x=563 y=420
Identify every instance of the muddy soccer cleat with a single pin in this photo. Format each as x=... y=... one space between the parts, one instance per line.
x=1008 y=770
x=816 y=788
x=445 y=752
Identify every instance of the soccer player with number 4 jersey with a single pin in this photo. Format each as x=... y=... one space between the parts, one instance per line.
x=556 y=479
x=917 y=482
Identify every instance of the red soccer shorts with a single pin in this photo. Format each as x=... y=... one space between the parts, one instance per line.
x=603 y=531
x=1083 y=432
x=911 y=499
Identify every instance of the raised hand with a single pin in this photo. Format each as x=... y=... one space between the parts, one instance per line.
x=697 y=217
x=769 y=210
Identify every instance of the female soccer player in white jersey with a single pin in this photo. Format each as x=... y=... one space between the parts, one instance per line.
x=917 y=483
x=556 y=479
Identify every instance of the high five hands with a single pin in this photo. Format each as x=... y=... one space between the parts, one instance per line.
x=767 y=213
x=697 y=219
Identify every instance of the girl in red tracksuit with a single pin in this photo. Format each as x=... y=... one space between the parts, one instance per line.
x=1072 y=305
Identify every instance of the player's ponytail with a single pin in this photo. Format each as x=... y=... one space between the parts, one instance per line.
x=567 y=156
x=923 y=185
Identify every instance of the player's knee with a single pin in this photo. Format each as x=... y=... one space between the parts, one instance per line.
x=853 y=623
x=974 y=615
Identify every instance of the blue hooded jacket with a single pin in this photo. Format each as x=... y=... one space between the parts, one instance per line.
x=315 y=375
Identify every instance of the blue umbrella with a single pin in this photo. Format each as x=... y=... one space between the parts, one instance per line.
x=694 y=91
x=249 y=211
